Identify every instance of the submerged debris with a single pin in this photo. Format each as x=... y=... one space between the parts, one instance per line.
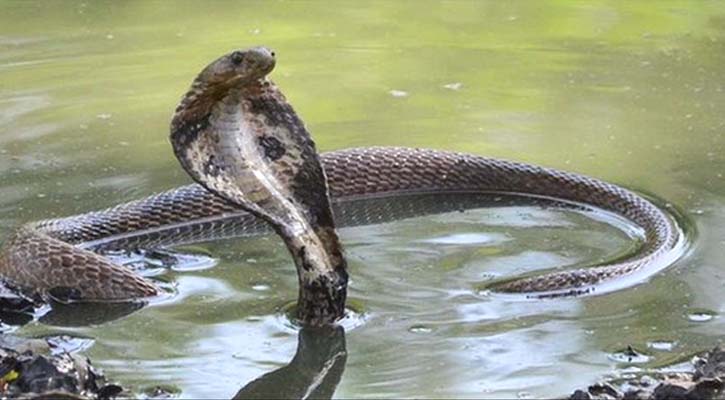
x=706 y=382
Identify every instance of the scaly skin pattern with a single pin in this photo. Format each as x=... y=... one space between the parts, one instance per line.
x=234 y=123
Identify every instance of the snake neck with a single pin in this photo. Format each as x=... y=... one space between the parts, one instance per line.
x=322 y=276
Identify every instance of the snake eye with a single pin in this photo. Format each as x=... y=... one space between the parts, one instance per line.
x=237 y=57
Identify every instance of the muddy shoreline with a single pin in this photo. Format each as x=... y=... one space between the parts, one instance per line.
x=705 y=381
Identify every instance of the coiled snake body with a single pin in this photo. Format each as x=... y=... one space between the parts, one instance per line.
x=242 y=142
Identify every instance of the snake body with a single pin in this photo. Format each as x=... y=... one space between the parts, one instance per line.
x=233 y=122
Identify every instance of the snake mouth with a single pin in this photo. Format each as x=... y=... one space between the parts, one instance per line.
x=262 y=58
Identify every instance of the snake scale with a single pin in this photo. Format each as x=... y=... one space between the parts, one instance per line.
x=242 y=142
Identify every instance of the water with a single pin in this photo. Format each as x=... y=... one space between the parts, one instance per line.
x=628 y=92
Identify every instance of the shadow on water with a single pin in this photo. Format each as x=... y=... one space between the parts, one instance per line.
x=85 y=314
x=66 y=314
x=314 y=371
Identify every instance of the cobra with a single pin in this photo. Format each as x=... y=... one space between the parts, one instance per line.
x=249 y=152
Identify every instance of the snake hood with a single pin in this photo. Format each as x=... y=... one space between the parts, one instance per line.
x=235 y=134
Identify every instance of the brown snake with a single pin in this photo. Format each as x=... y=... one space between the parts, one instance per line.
x=238 y=137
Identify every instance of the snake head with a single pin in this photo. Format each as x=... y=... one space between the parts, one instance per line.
x=239 y=67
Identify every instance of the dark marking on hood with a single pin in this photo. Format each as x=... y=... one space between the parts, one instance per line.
x=277 y=113
x=212 y=167
x=273 y=148
x=188 y=132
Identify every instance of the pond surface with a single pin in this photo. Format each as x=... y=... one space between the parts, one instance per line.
x=628 y=92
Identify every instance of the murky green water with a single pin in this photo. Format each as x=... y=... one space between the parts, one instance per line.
x=625 y=91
